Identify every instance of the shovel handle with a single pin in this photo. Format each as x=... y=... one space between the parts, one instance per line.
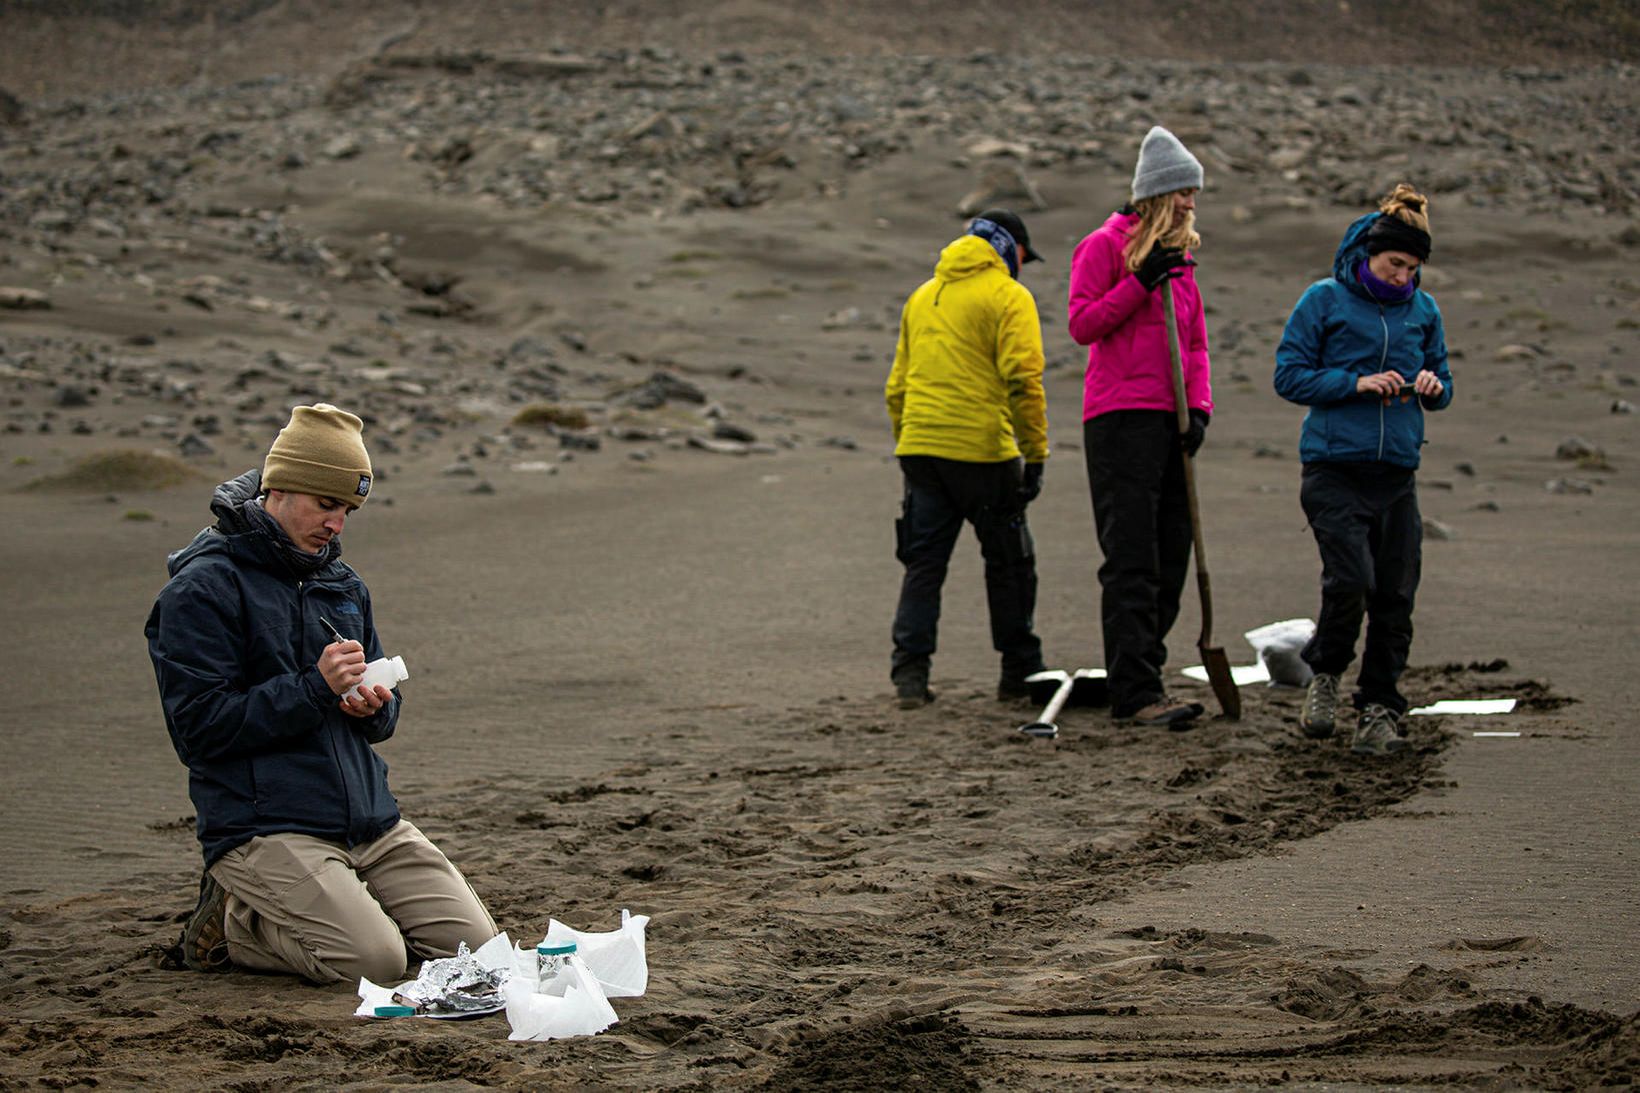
x=1203 y=583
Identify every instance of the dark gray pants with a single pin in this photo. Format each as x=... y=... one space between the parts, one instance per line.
x=1136 y=476
x=940 y=495
x=1367 y=526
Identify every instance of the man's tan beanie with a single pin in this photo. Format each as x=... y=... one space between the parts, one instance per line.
x=320 y=452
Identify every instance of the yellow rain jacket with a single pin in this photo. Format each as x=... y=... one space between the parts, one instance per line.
x=967 y=376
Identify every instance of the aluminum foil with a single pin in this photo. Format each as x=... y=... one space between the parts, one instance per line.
x=454 y=985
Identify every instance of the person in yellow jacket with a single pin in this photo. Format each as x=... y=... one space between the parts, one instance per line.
x=971 y=434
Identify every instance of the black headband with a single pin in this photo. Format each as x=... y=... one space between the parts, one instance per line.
x=1393 y=233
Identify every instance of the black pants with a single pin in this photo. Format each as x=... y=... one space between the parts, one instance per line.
x=1136 y=476
x=1366 y=522
x=940 y=494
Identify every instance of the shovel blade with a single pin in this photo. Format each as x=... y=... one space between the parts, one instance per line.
x=1217 y=663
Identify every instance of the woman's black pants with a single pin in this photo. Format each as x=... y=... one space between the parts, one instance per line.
x=1367 y=526
x=1136 y=477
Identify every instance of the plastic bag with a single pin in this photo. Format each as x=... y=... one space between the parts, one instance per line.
x=615 y=958
x=580 y=1011
x=1278 y=645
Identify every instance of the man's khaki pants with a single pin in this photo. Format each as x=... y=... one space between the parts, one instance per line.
x=330 y=914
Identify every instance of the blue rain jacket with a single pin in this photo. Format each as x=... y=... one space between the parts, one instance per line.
x=1339 y=332
x=235 y=638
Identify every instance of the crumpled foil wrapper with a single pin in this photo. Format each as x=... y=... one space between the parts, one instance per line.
x=455 y=984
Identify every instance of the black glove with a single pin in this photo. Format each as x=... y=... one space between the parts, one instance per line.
x=1190 y=441
x=1161 y=264
x=1030 y=484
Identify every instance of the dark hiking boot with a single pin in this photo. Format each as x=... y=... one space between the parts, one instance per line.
x=913 y=696
x=1320 y=713
x=1012 y=690
x=1377 y=731
x=204 y=941
x=1175 y=713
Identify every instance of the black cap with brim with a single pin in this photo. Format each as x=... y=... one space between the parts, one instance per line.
x=1015 y=227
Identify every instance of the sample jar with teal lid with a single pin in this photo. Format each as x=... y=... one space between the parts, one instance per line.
x=550 y=959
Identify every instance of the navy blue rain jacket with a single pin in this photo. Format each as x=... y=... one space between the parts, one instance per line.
x=235 y=638
x=1339 y=332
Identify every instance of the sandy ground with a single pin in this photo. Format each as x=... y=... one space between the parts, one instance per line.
x=662 y=685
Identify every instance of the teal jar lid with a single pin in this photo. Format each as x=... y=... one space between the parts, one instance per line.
x=555 y=948
x=395 y=1011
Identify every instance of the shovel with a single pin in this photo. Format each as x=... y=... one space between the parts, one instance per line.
x=1084 y=687
x=1213 y=657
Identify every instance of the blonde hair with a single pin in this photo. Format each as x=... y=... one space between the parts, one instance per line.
x=1155 y=227
x=1408 y=206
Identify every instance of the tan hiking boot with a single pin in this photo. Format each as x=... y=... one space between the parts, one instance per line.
x=1377 y=731
x=1320 y=713
x=204 y=941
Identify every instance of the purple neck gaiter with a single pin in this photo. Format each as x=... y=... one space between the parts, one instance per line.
x=1383 y=290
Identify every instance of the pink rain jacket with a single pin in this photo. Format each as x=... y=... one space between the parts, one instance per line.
x=1121 y=324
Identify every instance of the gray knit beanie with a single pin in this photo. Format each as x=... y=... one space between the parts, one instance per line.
x=1164 y=165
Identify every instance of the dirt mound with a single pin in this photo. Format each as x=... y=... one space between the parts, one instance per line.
x=929 y=1052
x=108 y=472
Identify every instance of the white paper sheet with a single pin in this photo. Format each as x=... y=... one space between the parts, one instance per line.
x=1468 y=706
x=1240 y=674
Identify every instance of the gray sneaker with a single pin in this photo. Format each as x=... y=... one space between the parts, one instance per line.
x=1320 y=712
x=1377 y=731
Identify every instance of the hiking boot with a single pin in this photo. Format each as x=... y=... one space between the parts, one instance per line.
x=1012 y=690
x=1320 y=712
x=1173 y=712
x=912 y=691
x=204 y=941
x=1377 y=731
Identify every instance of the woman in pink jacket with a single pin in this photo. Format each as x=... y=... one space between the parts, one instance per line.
x=1129 y=421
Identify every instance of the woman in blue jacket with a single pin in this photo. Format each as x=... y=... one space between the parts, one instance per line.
x=1365 y=351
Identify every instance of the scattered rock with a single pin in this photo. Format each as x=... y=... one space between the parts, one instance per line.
x=342 y=147
x=719 y=447
x=1622 y=406
x=1002 y=184
x=588 y=441
x=193 y=446
x=1568 y=485
x=1578 y=450
x=723 y=430
x=24 y=299
x=661 y=388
